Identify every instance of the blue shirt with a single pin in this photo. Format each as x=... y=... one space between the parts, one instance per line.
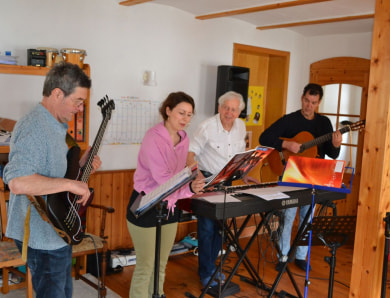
x=37 y=146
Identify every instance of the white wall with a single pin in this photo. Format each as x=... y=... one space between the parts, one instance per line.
x=122 y=42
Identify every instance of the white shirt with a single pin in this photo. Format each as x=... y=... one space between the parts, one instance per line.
x=214 y=146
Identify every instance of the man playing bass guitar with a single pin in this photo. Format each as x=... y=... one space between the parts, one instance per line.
x=37 y=166
x=280 y=135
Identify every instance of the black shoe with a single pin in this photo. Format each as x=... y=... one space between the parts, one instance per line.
x=302 y=264
x=279 y=266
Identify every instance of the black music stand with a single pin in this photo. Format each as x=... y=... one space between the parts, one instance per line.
x=333 y=232
x=154 y=199
x=160 y=215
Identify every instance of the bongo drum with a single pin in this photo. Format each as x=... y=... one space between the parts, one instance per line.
x=75 y=56
x=51 y=54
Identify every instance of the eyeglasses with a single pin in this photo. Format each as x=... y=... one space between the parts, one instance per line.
x=229 y=109
x=77 y=103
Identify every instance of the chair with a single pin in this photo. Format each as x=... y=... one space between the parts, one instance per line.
x=10 y=257
x=87 y=247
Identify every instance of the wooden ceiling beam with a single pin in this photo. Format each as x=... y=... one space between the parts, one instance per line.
x=133 y=2
x=315 y=22
x=258 y=8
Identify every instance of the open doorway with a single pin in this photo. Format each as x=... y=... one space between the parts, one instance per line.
x=267 y=94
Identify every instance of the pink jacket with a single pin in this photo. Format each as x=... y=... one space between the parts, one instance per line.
x=159 y=160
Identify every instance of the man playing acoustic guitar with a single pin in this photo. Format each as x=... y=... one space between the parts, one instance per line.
x=283 y=136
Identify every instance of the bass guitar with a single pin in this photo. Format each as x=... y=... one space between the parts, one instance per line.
x=278 y=159
x=62 y=209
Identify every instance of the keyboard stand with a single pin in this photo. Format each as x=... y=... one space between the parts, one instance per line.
x=291 y=252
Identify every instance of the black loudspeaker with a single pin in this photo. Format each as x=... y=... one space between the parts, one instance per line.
x=232 y=78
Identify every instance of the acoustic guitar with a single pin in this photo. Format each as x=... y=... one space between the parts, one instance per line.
x=61 y=210
x=278 y=159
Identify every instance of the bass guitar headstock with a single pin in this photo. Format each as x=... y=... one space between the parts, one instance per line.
x=106 y=105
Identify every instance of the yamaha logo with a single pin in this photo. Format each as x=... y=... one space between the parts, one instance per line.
x=290 y=202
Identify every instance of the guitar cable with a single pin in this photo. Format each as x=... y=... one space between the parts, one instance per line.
x=97 y=261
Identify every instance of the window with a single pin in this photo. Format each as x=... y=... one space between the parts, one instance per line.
x=341 y=104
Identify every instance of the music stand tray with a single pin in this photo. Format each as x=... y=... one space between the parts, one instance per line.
x=145 y=202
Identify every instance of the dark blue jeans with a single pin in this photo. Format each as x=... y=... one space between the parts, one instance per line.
x=209 y=243
x=50 y=271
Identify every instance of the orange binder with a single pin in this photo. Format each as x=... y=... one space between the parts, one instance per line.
x=314 y=171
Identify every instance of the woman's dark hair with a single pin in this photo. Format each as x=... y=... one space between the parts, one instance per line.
x=65 y=76
x=173 y=100
x=313 y=89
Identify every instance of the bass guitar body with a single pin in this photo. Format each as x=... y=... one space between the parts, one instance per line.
x=62 y=209
x=278 y=159
x=65 y=215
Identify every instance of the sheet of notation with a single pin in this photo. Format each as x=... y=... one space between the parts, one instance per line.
x=216 y=197
x=271 y=193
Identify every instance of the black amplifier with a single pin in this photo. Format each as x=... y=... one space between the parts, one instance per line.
x=36 y=57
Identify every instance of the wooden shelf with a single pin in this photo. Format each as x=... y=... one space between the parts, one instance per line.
x=4 y=149
x=42 y=71
x=23 y=70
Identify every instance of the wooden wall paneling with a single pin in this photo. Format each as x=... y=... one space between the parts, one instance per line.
x=94 y=215
x=118 y=201
x=106 y=198
x=126 y=186
x=374 y=196
x=112 y=188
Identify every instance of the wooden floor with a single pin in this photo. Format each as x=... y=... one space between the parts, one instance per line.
x=182 y=274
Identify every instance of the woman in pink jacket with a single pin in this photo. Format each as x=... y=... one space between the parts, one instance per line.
x=163 y=154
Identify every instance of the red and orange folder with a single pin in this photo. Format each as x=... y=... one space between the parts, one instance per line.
x=238 y=166
x=314 y=172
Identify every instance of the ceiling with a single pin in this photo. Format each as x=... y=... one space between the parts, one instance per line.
x=306 y=17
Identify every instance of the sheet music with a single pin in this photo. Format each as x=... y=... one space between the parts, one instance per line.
x=162 y=191
x=271 y=193
x=220 y=198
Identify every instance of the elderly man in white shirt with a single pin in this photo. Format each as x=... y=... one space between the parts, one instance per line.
x=216 y=140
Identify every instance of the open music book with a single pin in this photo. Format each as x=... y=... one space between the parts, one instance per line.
x=145 y=202
x=238 y=166
x=308 y=172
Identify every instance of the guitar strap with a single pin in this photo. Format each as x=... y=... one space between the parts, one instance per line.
x=26 y=235
x=39 y=203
